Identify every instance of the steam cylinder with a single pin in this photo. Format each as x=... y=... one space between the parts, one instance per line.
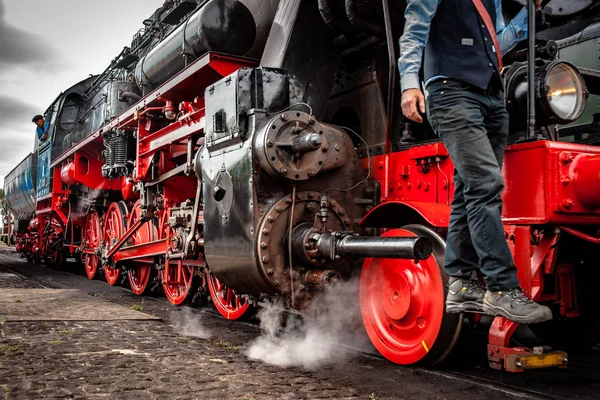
x=223 y=26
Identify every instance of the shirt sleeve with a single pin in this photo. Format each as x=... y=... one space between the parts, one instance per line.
x=417 y=17
x=510 y=35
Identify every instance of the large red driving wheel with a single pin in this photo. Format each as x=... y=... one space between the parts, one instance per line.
x=178 y=280
x=115 y=225
x=227 y=303
x=91 y=240
x=403 y=305
x=139 y=273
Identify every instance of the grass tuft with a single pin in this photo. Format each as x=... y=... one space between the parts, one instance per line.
x=227 y=346
x=9 y=349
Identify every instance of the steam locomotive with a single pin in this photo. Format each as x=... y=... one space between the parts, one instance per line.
x=243 y=149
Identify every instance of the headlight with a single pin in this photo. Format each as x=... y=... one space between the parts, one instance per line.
x=563 y=92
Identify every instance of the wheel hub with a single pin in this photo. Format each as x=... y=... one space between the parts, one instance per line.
x=397 y=298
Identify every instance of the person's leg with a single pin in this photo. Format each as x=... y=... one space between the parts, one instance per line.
x=447 y=102
x=458 y=112
x=465 y=293
x=499 y=277
x=461 y=259
x=507 y=300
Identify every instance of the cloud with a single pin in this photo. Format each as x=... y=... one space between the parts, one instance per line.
x=21 y=48
x=16 y=132
x=15 y=111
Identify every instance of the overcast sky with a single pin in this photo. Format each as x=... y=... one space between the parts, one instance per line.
x=48 y=46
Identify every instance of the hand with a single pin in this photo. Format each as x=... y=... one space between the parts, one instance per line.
x=538 y=5
x=44 y=137
x=411 y=99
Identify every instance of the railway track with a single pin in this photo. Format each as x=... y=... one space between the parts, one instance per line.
x=580 y=380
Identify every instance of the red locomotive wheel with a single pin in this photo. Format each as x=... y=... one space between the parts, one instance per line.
x=91 y=238
x=139 y=273
x=227 y=303
x=403 y=305
x=115 y=225
x=177 y=280
x=139 y=276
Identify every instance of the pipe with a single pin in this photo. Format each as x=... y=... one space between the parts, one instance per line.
x=580 y=235
x=384 y=247
x=359 y=23
x=311 y=247
x=531 y=69
x=391 y=72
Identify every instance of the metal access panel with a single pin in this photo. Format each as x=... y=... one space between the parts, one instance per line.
x=229 y=101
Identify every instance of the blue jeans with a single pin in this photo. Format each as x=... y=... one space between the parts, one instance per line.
x=473 y=125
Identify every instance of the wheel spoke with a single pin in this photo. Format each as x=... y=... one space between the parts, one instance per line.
x=225 y=300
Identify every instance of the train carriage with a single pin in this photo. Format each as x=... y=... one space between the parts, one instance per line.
x=251 y=149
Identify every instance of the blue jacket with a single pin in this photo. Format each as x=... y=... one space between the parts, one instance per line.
x=419 y=16
x=40 y=132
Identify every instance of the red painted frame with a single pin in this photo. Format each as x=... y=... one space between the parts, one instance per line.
x=547 y=183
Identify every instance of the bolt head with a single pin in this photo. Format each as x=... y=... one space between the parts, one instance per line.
x=266 y=231
x=265 y=259
x=283 y=171
x=337 y=147
x=270 y=143
x=324 y=149
x=270 y=218
x=263 y=245
x=270 y=271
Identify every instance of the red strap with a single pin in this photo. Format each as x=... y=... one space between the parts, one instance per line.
x=485 y=16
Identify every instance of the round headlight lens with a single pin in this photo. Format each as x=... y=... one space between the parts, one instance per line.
x=564 y=91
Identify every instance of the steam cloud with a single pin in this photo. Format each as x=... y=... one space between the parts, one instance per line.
x=331 y=333
x=188 y=322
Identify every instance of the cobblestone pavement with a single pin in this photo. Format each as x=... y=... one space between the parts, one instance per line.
x=128 y=359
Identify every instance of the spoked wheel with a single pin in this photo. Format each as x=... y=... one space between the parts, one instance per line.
x=139 y=273
x=115 y=225
x=229 y=305
x=91 y=240
x=178 y=281
x=403 y=304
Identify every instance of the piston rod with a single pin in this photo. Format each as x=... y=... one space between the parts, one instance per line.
x=418 y=248
x=314 y=247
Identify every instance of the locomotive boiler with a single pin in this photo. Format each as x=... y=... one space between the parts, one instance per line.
x=245 y=149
